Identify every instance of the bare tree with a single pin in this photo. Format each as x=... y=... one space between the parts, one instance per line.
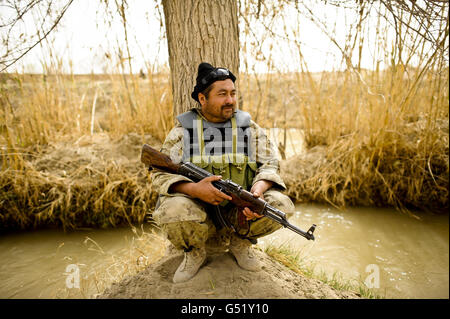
x=207 y=30
x=199 y=31
x=420 y=17
x=427 y=19
x=16 y=43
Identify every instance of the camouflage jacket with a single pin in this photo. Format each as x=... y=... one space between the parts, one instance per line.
x=266 y=158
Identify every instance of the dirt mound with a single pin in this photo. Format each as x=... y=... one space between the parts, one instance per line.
x=304 y=165
x=222 y=278
x=97 y=151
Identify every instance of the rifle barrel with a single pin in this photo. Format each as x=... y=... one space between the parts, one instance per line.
x=308 y=235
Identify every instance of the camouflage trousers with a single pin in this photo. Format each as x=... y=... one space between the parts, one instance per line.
x=188 y=222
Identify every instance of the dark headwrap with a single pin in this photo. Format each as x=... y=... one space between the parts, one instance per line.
x=207 y=75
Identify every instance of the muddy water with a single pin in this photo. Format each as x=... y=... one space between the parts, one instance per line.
x=37 y=264
x=403 y=256
x=397 y=255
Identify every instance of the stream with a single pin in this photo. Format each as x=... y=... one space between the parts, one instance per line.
x=398 y=255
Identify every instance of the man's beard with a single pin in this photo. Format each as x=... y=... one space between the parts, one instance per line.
x=226 y=111
x=221 y=114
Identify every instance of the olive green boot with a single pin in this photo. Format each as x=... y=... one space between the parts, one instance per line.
x=244 y=254
x=190 y=265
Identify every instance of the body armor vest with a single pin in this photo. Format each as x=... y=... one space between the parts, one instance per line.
x=220 y=148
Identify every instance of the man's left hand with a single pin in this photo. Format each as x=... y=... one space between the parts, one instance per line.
x=257 y=190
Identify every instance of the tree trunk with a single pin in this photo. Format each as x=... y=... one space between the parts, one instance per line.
x=199 y=31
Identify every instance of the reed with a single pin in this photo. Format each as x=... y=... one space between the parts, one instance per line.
x=58 y=163
x=373 y=137
x=68 y=157
x=37 y=109
x=88 y=196
x=379 y=137
x=371 y=151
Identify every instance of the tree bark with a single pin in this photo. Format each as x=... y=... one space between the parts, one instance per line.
x=199 y=31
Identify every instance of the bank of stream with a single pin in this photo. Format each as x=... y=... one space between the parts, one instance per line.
x=399 y=255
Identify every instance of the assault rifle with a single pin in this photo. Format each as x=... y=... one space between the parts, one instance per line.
x=240 y=197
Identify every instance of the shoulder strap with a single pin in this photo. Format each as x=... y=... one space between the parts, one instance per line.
x=186 y=119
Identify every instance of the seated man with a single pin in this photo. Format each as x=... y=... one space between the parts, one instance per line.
x=226 y=142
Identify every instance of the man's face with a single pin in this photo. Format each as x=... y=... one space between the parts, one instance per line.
x=221 y=102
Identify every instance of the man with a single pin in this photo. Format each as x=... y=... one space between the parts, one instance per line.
x=226 y=142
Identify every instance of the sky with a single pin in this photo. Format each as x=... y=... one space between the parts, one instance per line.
x=84 y=37
x=84 y=40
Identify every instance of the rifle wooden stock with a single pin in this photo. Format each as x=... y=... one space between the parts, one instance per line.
x=154 y=159
x=246 y=199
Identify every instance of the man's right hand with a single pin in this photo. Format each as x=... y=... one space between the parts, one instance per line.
x=203 y=190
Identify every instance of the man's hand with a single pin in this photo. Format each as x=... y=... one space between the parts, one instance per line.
x=257 y=190
x=203 y=190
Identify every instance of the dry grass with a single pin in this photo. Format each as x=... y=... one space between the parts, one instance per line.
x=70 y=150
x=37 y=109
x=374 y=137
x=69 y=144
x=383 y=149
x=87 y=184
x=376 y=141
